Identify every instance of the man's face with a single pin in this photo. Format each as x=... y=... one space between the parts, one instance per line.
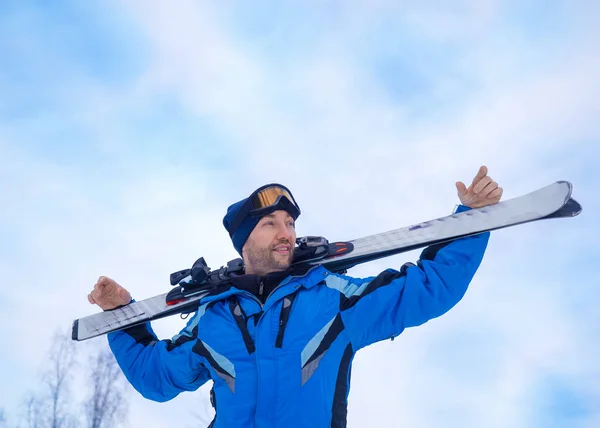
x=270 y=246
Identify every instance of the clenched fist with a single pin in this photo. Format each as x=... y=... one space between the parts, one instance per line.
x=108 y=294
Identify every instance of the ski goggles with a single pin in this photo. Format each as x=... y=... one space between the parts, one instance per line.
x=265 y=200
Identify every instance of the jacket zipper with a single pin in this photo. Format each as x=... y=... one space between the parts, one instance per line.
x=252 y=296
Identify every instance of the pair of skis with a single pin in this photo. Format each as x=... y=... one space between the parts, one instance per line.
x=191 y=285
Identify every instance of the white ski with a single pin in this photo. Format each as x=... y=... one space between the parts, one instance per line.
x=552 y=201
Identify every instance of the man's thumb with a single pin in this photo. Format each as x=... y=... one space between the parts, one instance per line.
x=461 y=188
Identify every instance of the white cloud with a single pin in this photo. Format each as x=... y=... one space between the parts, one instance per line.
x=506 y=125
x=359 y=161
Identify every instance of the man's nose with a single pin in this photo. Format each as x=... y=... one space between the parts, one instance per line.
x=284 y=232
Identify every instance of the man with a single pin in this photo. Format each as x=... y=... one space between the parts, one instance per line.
x=279 y=344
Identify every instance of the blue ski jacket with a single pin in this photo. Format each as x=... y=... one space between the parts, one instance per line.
x=287 y=363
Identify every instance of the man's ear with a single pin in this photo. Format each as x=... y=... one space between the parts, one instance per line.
x=245 y=256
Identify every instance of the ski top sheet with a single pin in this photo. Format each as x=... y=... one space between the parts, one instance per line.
x=552 y=201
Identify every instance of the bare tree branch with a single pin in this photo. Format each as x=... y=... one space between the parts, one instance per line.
x=104 y=403
x=49 y=407
x=106 y=406
x=33 y=412
x=62 y=360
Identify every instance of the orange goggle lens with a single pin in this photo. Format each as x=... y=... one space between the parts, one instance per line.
x=268 y=197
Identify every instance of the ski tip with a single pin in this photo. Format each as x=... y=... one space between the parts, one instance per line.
x=569 y=188
x=571 y=208
x=574 y=207
x=74 y=332
x=566 y=183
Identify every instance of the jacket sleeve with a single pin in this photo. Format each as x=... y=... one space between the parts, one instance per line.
x=159 y=369
x=381 y=307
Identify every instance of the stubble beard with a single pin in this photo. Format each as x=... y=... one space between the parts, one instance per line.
x=264 y=260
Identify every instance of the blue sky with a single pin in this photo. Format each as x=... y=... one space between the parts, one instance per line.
x=127 y=128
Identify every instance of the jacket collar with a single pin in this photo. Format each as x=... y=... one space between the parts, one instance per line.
x=288 y=285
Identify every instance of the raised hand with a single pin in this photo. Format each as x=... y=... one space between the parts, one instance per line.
x=108 y=294
x=483 y=190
